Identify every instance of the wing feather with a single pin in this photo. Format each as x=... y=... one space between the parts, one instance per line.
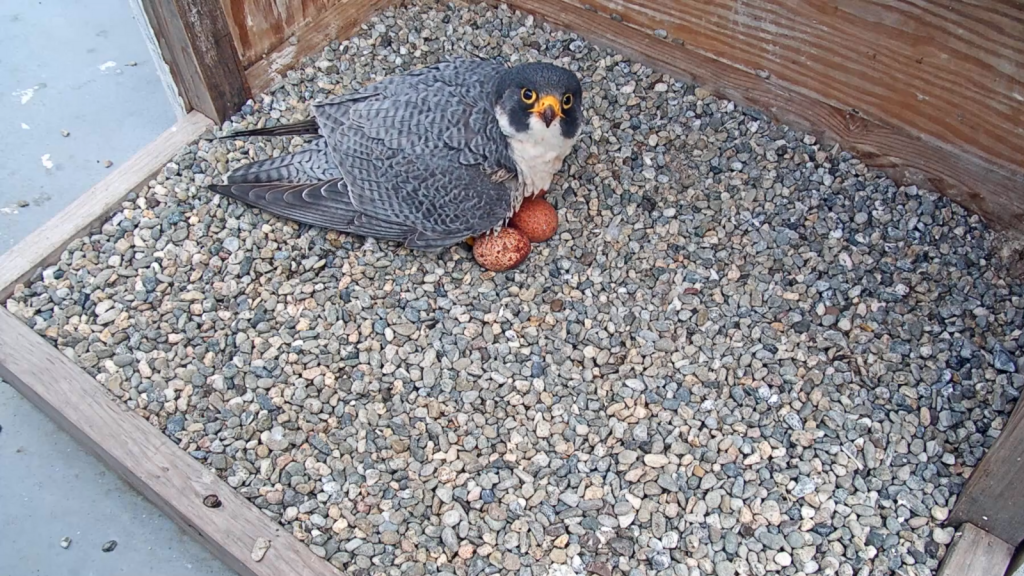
x=311 y=164
x=324 y=204
x=422 y=152
x=409 y=158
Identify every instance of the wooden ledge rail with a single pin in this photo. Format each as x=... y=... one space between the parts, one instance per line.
x=341 y=20
x=991 y=187
x=975 y=552
x=992 y=499
x=45 y=245
x=149 y=461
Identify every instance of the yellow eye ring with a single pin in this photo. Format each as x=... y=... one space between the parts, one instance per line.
x=529 y=96
x=567 y=101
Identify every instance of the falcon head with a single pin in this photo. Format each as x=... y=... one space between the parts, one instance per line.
x=538 y=96
x=538 y=110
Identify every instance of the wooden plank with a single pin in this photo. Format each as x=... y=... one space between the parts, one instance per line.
x=45 y=245
x=162 y=69
x=197 y=45
x=975 y=552
x=148 y=460
x=951 y=71
x=992 y=499
x=259 y=26
x=1017 y=564
x=992 y=190
x=340 y=21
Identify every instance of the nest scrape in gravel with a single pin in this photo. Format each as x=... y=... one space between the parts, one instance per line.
x=743 y=353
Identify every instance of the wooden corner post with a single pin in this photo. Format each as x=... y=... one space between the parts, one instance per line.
x=993 y=500
x=196 y=42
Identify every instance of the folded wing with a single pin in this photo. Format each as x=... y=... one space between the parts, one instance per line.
x=411 y=158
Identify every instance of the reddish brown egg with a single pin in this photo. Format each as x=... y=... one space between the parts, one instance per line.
x=537 y=219
x=502 y=251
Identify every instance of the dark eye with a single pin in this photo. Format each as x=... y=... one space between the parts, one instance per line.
x=529 y=96
x=567 y=101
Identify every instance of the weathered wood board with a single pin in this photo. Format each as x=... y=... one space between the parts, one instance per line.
x=337 y=22
x=197 y=46
x=935 y=96
x=260 y=26
x=993 y=499
x=975 y=552
x=149 y=461
x=952 y=71
x=44 y=245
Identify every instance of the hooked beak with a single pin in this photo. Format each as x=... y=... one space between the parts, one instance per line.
x=548 y=108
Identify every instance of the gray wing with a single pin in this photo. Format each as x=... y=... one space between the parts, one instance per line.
x=326 y=204
x=409 y=158
x=311 y=164
x=421 y=149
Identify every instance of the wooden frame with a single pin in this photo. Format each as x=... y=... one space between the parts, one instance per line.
x=194 y=497
x=338 y=19
x=150 y=462
x=974 y=551
x=780 y=56
x=992 y=499
x=197 y=46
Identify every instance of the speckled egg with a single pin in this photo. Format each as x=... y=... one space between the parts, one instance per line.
x=502 y=251
x=537 y=219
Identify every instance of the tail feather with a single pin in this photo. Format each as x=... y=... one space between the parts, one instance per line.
x=301 y=128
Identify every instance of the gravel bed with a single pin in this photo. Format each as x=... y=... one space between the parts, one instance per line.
x=744 y=353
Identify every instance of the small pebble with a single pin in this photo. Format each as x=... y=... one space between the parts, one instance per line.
x=1002 y=360
x=783 y=559
x=259 y=549
x=943 y=535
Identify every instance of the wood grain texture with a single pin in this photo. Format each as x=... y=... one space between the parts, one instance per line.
x=197 y=46
x=993 y=499
x=259 y=26
x=163 y=71
x=44 y=246
x=975 y=552
x=340 y=21
x=146 y=459
x=989 y=188
x=951 y=71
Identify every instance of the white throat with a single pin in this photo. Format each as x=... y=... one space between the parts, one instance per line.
x=538 y=152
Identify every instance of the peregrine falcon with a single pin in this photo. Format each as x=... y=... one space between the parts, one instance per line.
x=429 y=158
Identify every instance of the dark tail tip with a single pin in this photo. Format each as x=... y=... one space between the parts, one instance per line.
x=302 y=128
